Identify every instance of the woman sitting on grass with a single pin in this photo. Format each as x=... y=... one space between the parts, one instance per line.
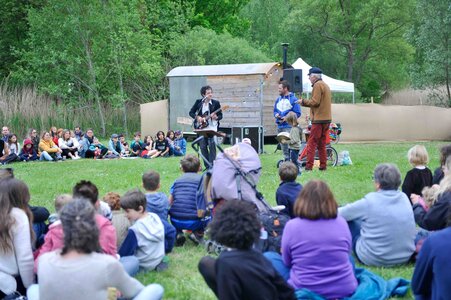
x=240 y=272
x=79 y=271
x=68 y=145
x=316 y=245
x=16 y=235
x=382 y=223
x=47 y=148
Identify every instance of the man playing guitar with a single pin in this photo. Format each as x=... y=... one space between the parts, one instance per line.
x=207 y=113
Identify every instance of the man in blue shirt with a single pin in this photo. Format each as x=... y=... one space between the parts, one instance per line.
x=285 y=103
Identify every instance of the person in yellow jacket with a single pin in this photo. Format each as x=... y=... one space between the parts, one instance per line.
x=47 y=148
x=321 y=115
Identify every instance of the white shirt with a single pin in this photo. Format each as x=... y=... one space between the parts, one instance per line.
x=212 y=124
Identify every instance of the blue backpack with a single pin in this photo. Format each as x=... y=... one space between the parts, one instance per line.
x=204 y=206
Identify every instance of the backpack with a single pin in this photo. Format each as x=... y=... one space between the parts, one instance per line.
x=203 y=204
x=273 y=223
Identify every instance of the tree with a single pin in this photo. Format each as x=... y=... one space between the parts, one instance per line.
x=364 y=30
x=203 y=46
x=431 y=37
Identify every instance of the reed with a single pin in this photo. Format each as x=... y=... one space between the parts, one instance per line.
x=22 y=108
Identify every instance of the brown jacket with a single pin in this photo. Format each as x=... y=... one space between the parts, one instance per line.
x=320 y=104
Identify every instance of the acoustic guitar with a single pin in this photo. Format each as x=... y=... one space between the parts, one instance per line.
x=206 y=118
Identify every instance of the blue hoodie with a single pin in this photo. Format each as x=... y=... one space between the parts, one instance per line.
x=158 y=204
x=283 y=105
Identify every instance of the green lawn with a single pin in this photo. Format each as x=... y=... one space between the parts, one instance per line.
x=182 y=280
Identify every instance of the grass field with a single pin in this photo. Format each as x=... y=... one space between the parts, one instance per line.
x=182 y=280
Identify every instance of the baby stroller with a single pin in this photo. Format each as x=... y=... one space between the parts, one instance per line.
x=234 y=177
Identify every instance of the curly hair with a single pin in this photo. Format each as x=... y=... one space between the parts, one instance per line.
x=80 y=228
x=236 y=225
x=113 y=199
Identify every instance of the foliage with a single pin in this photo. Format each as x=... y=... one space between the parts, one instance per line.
x=431 y=36
x=365 y=33
x=203 y=46
x=182 y=280
x=220 y=16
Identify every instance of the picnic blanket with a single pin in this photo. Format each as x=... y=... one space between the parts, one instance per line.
x=371 y=287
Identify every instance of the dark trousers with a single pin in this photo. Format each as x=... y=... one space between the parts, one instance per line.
x=67 y=151
x=294 y=154
x=317 y=139
x=208 y=150
x=207 y=268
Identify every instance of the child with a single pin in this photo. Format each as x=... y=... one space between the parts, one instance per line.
x=241 y=272
x=60 y=201
x=420 y=176
x=115 y=147
x=170 y=136
x=295 y=138
x=289 y=189
x=120 y=221
x=28 y=153
x=161 y=145
x=54 y=239
x=137 y=146
x=125 y=145
x=150 y=151
x=145 y=238
x=158 y=203
x=179 y=144
x=183 y=202
x=98 y=149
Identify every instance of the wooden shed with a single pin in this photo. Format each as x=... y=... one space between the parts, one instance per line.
x=249 y=89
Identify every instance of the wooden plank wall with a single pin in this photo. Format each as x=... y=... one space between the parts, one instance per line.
x=241 y=92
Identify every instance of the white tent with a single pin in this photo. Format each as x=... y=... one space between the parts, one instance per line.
x=335 y=85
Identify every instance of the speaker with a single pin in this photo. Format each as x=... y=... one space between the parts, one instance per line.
x=254 y=133
x=294 y=78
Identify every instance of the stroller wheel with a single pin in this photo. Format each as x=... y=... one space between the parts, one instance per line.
x=279 y=163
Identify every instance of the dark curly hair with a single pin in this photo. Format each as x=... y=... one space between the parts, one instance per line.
x=236 y=225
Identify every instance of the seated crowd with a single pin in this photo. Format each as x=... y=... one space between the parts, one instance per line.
x=123 y=235
x=61 y=144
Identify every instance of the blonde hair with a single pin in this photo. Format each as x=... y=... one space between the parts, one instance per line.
x=418 y=156
x=445 y=184
x=62 y=200
x=430 y=194
x=292 y=119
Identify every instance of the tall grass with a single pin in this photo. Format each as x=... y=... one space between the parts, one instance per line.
x=22 y=108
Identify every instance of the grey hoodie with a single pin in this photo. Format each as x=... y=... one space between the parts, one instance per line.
x=158 y=203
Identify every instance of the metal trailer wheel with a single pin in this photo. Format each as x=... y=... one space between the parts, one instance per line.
x=332 y=156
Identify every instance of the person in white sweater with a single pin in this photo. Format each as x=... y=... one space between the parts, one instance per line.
x=16 y=256
x=68 y=145
x=78 y=271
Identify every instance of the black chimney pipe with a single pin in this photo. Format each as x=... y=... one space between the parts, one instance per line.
x=285 y=50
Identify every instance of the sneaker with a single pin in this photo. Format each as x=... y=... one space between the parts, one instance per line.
x=196 y=239
x=180 y=240
x=162 y=266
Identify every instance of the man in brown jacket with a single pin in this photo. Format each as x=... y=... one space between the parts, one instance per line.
x=320 y=114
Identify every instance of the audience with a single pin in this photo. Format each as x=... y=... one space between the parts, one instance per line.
x=14 y=147
x=161 y=145
x=179 y=144
x=435 y=218
x=182 y=199
x=34 y=137
x=316 y=246
x=240 y=272
x=382 y=223
x=445 y=151
x=115 y=147
x=432 y=275
x=120 y=221
x=145 y=238
x=157 y=203
x=16 y=237
x=5 y=134
x=288 y=189
x=48 y=150
x=78 y=271
x=28 y=153
x=420 y=176
x=137 y=146
x=68 y=145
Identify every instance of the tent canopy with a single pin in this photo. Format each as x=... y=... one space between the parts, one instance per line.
x=335 y=85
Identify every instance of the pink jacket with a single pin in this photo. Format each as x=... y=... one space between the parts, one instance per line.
x=54 y=239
